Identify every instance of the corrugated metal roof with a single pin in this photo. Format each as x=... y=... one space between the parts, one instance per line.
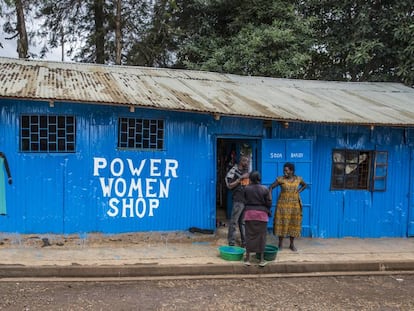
x=208 y=92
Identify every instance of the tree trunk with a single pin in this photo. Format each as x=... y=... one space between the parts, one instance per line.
x=62 y=43
x=100 y=31
x=22 y=42
x=118 y=33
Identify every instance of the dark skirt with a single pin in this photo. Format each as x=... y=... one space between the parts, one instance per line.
x=256 y=236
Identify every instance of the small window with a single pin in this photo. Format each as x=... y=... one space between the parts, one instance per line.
x=351 y=169
x=47 y=133
x=356 y=169
x=141 y=134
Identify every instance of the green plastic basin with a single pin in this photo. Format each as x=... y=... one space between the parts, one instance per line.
x=231 y=253
x=269 y=253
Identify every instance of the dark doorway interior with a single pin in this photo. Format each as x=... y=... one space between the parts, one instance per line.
x=228 y=154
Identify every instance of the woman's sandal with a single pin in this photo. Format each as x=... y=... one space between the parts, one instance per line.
x=262 y=263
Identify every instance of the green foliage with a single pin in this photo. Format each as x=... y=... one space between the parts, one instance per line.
x=19 y=27
x=155 y=46
x=361 y=40
x=370 y=40
x=75 y=24
x=247 y=38
x=405 y=55
x=263 y=50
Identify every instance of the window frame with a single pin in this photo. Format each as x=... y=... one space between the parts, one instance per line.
x=143 y=134
x=47 y=133
x=380 y=171
x=373 y=174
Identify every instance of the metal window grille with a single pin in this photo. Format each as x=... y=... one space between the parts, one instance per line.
x=140 y=134
x=47 y=133
x=351 y=169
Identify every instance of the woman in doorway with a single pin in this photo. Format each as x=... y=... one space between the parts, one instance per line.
x=288 y=216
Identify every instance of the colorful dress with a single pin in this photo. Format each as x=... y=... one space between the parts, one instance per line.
x=288 y=217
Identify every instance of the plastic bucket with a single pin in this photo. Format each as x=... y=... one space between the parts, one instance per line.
x=231 y=253
x=269 y=253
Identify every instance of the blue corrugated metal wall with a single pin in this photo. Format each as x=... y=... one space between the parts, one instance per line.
x=275 y=153
x=356 y=213
x=59 y=193
x=411 y=197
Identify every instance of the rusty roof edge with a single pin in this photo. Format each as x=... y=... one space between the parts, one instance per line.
x=319 y=84
x=116 y=68
x=218 y=115
x=230 y=78
x=236 y=83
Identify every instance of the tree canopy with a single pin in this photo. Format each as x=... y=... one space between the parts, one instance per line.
x=362 y=40
x=347 y=40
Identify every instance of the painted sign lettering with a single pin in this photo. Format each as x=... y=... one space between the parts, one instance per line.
x=134 y=188
x=276 y=155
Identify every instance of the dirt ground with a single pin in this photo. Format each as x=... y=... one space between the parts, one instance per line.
x=392 y=292
x=101 y=240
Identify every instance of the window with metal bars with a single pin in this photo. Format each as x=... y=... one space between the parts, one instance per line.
x=351 y=169
x=359 y=169
x=47 y=133
x=144 y=134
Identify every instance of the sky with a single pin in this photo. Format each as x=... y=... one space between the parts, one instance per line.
x=9 y=46
x=9 y=50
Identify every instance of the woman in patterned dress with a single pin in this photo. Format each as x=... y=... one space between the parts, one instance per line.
x=288 y=216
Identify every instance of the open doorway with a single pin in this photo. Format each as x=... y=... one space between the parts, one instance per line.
x=228 y=154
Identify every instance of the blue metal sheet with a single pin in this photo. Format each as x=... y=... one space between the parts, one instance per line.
x=410 y=228
x=356 y=213
x=299 y=151
x=61 y=193
x=71 y=193
x=275 y=153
